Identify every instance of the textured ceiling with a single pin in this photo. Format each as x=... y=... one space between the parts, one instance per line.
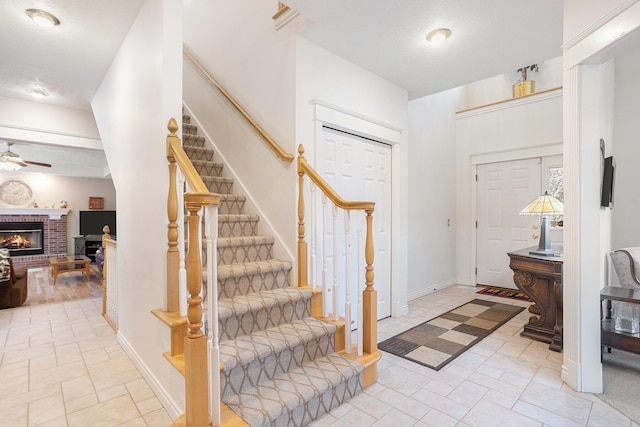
x=489 y=37
x=69 y=61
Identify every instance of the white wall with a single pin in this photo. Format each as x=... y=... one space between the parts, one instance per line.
x=625 y=225
x=34 y=116
x=521 y=128
x=499 y=88
x=367 y=104
x=51 y=189
x=603 y=37
x=138 y=95
x=582 y=17
x=238 y=44
x=431 y=244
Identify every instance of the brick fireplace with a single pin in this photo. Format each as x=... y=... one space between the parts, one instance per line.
x=54 y=233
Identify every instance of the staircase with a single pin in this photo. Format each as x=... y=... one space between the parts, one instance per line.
x=279 y=365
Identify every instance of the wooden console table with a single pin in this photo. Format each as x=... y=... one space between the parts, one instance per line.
x=609 y=336
x=67 y=263
x=540 y=277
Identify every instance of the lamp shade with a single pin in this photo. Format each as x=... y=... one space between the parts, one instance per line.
x=544 y=205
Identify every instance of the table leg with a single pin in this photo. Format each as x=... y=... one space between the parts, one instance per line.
x=54 y=271
x=88 y=270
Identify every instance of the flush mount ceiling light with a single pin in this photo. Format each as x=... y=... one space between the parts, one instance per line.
x=438 y=36
x=42 y=18
x=38 y=93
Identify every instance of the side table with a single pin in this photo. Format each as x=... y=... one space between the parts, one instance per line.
x=609 y=337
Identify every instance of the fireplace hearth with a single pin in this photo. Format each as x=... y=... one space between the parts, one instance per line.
x=22 y=238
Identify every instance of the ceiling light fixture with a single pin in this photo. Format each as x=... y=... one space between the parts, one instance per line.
x=42 y=18
x=10 y=161
x=438 y=36
x=38 y=93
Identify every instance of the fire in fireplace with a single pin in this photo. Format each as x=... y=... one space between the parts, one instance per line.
x=22 y=238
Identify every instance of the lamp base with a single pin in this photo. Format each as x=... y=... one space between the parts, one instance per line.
x=543 y=252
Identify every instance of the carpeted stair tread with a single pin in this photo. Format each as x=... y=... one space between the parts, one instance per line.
x=247 y=348
x=244 y=249
x=224 y=242
x=188 y=128
x=274 y=402
x=231 y=204
x=207 y=166
x=193 y=140
x=207 y=179
x=237 y=217
x=242 y=304
x=255 y=267
x=230 y=225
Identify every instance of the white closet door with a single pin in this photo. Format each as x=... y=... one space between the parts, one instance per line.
x=504 y=189
x=358 y=169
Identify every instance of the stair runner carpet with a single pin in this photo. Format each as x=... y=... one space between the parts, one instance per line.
x=280 y=366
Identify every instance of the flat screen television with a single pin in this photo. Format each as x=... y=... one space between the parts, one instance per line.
x=91 y=222
x=608 y=182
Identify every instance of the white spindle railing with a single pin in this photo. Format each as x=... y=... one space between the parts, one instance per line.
x=335 y=288
x=360 y=312
x=213 y=335
x=347 y=282
x=325 y=287
x=111 y=282
x=345 y=278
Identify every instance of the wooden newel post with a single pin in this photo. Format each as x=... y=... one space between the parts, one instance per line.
x=302 y=244
x=195 y=346
x=173 y=256
x=369 y=295
x=106 y=236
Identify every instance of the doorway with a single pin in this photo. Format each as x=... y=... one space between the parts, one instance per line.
x=503 y=189
x=359 y=168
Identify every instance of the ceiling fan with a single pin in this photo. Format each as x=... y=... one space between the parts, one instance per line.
x=10 y=161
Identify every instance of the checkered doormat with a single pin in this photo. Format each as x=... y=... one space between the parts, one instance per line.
x=440 y=340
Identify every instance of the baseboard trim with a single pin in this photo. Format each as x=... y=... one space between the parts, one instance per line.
x=431 y=289
x=569 y=374
x=167 y=402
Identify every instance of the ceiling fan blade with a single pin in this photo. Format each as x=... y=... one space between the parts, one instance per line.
x=46 y=165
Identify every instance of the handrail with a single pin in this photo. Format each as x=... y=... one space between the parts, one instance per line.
x=198 y=349
x=174 y=149
x=271 y=143
x=368 y=302
x=303 y=166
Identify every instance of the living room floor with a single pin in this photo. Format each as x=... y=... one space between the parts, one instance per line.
x=61 y=365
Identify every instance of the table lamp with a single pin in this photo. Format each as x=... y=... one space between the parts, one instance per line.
x=544 y=205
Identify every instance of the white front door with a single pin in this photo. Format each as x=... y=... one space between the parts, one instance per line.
x=504 y=189
x=358 y=169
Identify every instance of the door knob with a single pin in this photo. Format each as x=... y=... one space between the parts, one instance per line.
x=534 y=226
x=534 y=236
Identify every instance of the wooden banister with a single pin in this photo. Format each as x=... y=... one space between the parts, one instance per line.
x=369 y=295
x=271 y=143
x=305 y=169
x=196 y=366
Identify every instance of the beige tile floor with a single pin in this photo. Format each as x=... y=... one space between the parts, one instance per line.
x=503 y=381
x=60 y=365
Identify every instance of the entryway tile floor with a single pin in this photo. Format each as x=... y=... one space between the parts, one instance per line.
x=503 y=381
x=61 y=365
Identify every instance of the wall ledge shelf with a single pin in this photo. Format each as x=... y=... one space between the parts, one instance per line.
x=52 y=213
x=511 y=102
